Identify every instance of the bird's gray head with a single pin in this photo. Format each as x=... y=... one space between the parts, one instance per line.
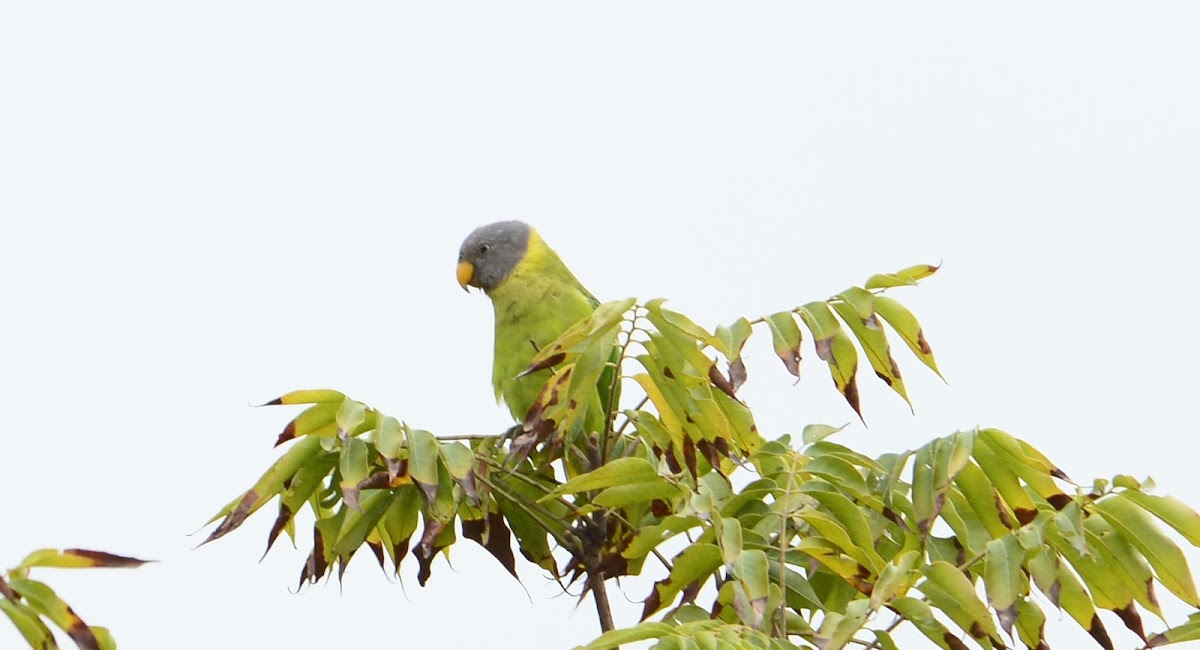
x=490 y=253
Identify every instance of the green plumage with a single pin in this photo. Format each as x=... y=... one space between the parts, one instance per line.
x=535 y=304
x=535 y=298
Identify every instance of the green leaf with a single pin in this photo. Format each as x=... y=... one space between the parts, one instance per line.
x=1003 y=578
x=904 y=277
x=695 y=564
x=622 y=471
x=350 y=416
x=389 y=437
x=77 y=558
x=837 y=629
x=423 y=461
x=399 y=522
x=895 y=579
x=1171 y=511
x=354 y=469
x=1169 y=563
x=358 y=523
x=851 y=518
x=871 y=337
x=950 y=591
x=751 y=570
x=620 y=496
x=648 y=538
x=616 y=638
x=730 y=540
x=1031 y=625
x=599 y=324
x=1189 y=631
x=42 y=599
x=816 y=432
x=831 y=530
x=926 y=503
x=733 y=338
x=1113 y=552
x=1057 y=581
x=1006 y=483
x=834 y=348
x=316 y=420
x=29 y=625
x=312 y=396
x=906 y=325
x=459 y=459
x=918 y=613
x=785 y=336
x=838 y=471
x=268 y=485
x=798 y=591
x=983 y=499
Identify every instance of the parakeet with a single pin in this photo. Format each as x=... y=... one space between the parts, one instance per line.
x=535 y=298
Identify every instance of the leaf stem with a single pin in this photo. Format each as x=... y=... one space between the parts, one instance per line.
x=7 y=591
x=538 y=514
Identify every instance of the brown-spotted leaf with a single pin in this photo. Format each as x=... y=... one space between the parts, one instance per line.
x=316 y=420
x=310 y=396
x=27 y=622
x=42 y=599
x=537 y=428
x=78 y=558
x=904 y=277
x=856 y=309
x=696 y=563
x=834 y=348
x=785 y=337
x=906 y=325
x=599 y=323
x=269 y=484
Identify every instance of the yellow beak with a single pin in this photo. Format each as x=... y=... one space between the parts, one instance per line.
x=464 y=272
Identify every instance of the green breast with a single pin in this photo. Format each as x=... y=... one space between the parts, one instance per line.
x=532 y=310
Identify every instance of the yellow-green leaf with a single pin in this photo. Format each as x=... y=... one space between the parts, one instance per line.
x=1169 y=563
x=904 y=277
x=42 y=599
x=873 y=340
x=29 y=625
x=919 y=613
x=950 y=591
x=834 y=348
x=1171 y=511
x=312 y=396
x=785 y=336
x=1003 y=579
x=906 y=325
x=77 y=558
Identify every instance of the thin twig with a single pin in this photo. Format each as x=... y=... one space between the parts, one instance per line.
x=526 y=480
x=638 y=407
x=612 y=392
x=472 y=436
x=532 y=509
x=895 y=624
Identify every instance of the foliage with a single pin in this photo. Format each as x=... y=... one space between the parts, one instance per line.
x=789 y=545
x=32 y=606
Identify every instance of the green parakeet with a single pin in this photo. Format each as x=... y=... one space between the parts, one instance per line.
x=535 y=298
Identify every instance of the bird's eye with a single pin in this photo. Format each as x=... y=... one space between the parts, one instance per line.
x=484 y=248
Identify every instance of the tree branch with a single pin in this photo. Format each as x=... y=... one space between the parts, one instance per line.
x=600 y=594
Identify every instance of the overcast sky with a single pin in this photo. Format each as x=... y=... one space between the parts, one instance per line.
x=207 y=204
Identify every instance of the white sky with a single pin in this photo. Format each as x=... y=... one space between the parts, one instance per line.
x=207 y=204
